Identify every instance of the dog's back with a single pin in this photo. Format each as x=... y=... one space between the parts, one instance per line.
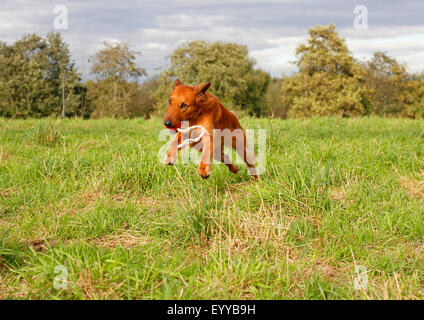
x=222 y=117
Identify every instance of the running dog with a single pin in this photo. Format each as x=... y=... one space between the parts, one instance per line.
x=193 y=104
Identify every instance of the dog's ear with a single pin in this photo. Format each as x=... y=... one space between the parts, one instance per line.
x=177 y=83
x=202 y=88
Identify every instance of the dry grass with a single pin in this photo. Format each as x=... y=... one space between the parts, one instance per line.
x=4 y=156
x=414 y=188
x=125 y=240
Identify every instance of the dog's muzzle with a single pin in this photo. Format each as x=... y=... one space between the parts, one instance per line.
x=168 y=125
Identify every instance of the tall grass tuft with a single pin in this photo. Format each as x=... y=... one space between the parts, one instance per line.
x=46 y=133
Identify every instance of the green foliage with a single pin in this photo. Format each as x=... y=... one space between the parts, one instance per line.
x=31 y=77
x=329 y=81
x=274 y=103
x=395 y=92
x=116 y=93
x=146 y=100
x=132 y=99
x=226 y=65
x=412 y=99
x=116 y=63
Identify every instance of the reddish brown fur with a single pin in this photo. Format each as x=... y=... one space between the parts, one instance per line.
x=202 y=108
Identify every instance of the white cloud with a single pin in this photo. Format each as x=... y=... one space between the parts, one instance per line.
x=190 y=22
x=271 y=29
x=155 y=46
x=406 y=49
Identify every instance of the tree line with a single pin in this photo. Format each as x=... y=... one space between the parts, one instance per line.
x=329 y=80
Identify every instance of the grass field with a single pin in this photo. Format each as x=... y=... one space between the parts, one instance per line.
x=92 y=196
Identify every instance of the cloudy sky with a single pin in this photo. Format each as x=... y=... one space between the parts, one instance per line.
x=271 y=29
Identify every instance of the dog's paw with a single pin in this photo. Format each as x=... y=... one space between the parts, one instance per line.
x=204 y=172
x=169 y=161
x=233 y=169
x=204 y=176
x=253 y=173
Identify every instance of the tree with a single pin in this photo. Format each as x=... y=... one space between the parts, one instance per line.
x=274 y=103
x=329 y=81
x=226 y=65
x=31 y=77
x=138 y=99
x=117 y=89
x=146 y=100
x=61 y=66
x=395 y=92
x=412 y=99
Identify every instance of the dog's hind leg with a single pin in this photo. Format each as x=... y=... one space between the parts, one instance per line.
x=246 y=154
x=219 y=155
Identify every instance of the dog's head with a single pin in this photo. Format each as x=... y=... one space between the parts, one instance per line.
x=185 y=103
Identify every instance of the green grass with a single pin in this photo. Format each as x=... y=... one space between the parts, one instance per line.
x=92 y=196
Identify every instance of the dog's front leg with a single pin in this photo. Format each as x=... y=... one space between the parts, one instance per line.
x=173 y=150
x=206 y=162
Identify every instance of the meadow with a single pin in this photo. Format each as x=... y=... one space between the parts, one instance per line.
x=90 y=195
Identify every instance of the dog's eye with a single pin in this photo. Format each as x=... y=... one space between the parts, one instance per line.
x=183 y=105
x=169 y=101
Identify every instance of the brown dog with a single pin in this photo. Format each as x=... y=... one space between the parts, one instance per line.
x=197 y=106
